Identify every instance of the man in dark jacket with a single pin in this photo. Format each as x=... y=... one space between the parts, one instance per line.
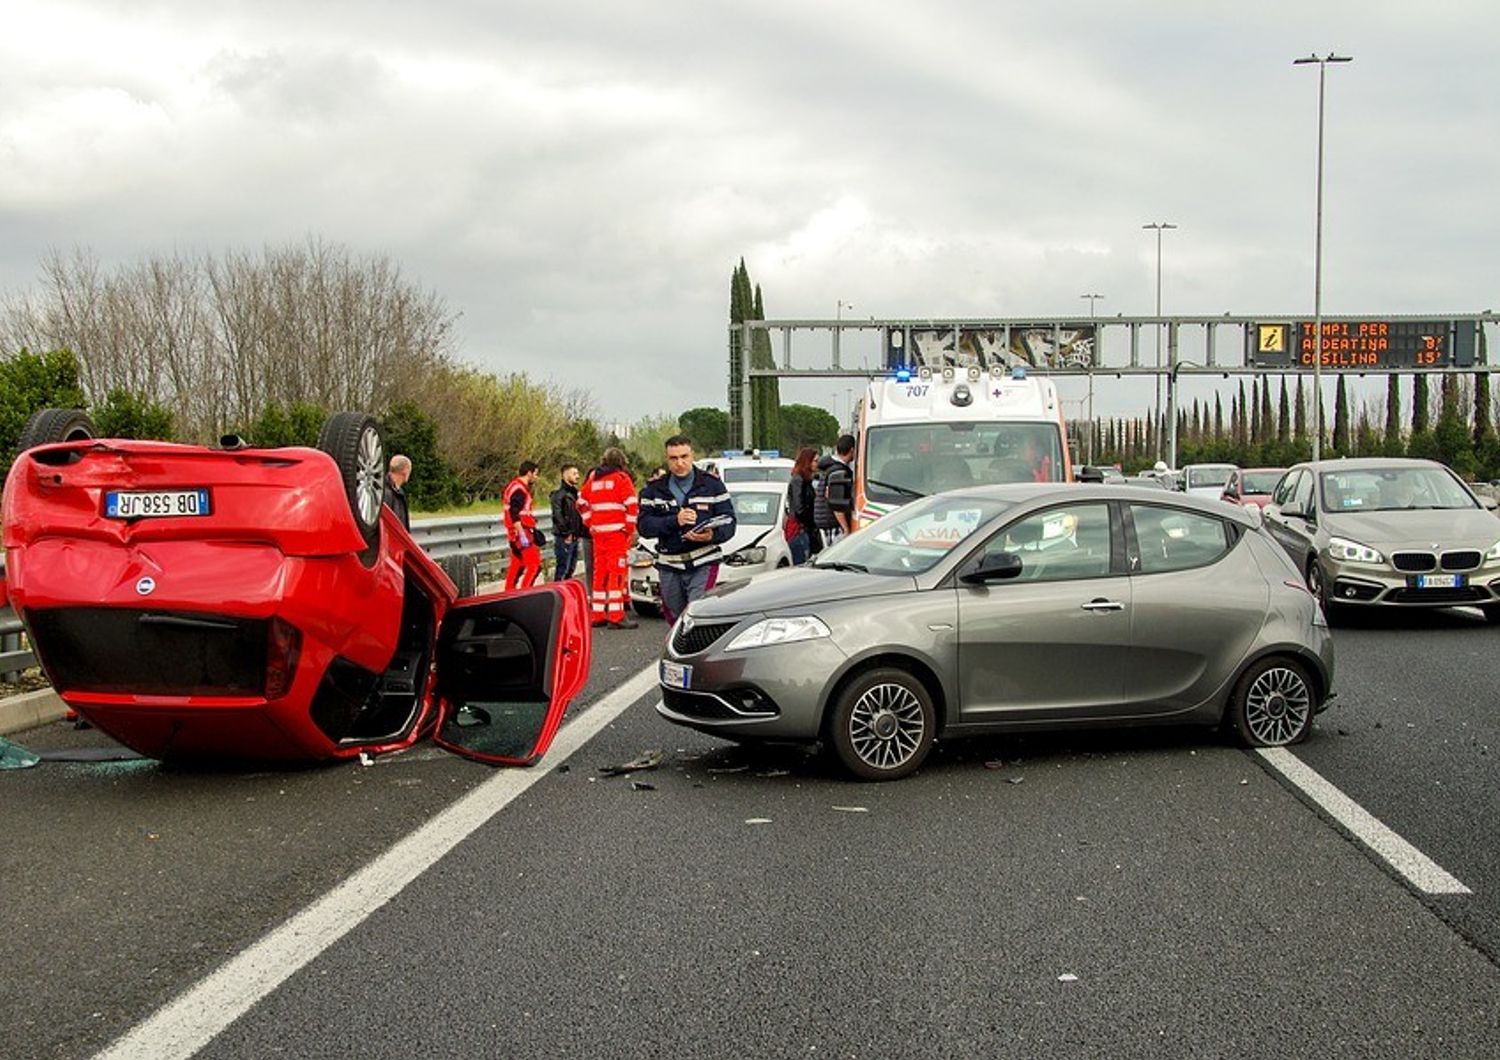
x=833 y=493
x=672 y=509
x=567 y=526
x=395 y=488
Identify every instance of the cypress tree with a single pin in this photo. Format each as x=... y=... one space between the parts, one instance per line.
x=1419 y=404
x=1284 y=416
x=1482 y=414
x=1392 y=444
x=1241 y=422
x=1267 y=423
x=766 y=392
x=1299 y=420
x=1341 y=437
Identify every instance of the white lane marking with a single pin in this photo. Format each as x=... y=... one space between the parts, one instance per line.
x=183 y=1026
x=1421 y=871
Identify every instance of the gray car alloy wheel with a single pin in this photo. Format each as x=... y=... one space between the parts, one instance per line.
x=1273 y=704
x=883 y=724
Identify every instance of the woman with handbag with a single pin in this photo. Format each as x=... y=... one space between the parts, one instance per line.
x=800 y=533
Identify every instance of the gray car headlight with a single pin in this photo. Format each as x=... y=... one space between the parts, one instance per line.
x=1346 y=551
x=746 y=556
x=770 y=631
x=1493 y=555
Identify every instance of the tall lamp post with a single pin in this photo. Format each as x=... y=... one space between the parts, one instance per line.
x=1160 y=227
x=1322 y=61
x=1092 y=353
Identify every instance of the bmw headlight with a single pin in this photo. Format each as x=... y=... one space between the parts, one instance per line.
x=1346 y=551
x=1493 y=555
x=639 y=557
x=746 y=556
x=770 y=631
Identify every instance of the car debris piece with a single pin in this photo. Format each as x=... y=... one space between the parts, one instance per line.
x=728 y=769
x=757 y=820
x=14 y=756
x=644 y=760
x=852 y=809
x=641 y=785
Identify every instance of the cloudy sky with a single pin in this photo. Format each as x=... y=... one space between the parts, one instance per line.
x=578 y=180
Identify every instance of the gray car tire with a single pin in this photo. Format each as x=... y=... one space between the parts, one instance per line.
x=1273 y=703
x=1319 y=589
x=883 y=724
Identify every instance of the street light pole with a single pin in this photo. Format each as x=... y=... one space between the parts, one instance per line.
x=1160 y=227
x=1322 y=62
x=1093 y=351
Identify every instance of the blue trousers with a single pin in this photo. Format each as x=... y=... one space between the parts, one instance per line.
x=567 y=557
x=680 y=587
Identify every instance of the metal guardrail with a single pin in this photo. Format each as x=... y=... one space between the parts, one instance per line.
x=480 y=536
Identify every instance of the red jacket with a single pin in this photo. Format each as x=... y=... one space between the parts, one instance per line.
x=607 y=502
x=517 y=515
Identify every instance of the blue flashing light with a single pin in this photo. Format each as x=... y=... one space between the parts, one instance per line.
x=903 y=375
x=1018 y=371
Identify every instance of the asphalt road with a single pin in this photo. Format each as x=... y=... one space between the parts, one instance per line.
x=1109 y=894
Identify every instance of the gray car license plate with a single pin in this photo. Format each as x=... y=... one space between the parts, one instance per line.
x=1440 y=581
x=676 y=675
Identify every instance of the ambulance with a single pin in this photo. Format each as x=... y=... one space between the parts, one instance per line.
x=929 y=429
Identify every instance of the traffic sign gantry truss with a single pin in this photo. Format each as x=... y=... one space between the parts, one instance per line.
x=1271 y=343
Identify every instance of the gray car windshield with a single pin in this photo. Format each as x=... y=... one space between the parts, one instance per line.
x=912 y=539
x=1393 y=489
x=758 y=508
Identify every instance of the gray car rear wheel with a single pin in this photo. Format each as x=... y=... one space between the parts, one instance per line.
x=1272 y=703
x=883 y=724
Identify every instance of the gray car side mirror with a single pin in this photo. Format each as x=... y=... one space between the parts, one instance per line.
x=993 y=568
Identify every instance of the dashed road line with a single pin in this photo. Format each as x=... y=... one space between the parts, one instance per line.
x=1419 y=870
x=183 y=1026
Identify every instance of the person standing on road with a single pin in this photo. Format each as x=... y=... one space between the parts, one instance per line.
x=395 y=487
x=567 y=526
x=608 y=506
x=520 y=529
x=833 y=493
x=799 y=507
x=672 y=508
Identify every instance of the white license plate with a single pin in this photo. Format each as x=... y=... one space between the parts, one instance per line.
x=148 y=504
x=1439 y=581
x=676 y=675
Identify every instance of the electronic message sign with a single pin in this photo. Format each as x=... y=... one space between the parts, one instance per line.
x=1038 y=345
x=1363 y=345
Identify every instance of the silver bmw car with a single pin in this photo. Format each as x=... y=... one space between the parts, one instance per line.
x=1003 y=608
x=1380 y=531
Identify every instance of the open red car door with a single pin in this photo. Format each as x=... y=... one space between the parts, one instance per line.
x=507 y=668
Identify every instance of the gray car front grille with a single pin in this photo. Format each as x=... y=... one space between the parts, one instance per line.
x=692 y=640
x=1465 y=560
x=1413 y=562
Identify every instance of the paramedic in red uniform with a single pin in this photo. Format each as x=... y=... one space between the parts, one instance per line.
x=608 y=504
x=520 y=529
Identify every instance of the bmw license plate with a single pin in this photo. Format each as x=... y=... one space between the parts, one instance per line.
x=676 y=675
x=148 y=504
x=1440 y=581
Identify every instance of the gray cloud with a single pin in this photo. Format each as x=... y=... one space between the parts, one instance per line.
x=578 y=180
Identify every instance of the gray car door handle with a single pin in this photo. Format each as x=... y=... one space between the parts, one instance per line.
x=1103 y=605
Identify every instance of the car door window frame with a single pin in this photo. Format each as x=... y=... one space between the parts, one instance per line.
x=1116 y=567
x=1286 y=489
x=1231 y=531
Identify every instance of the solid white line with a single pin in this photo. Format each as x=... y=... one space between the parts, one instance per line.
x=183 y=1026
x=1421 y=871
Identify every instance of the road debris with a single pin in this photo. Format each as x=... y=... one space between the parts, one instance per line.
x=643 y=761
x=852 y=809
x=14 y=756
x=641 y=785
x=728 y=769
x=1067 y=977
x=757 y=820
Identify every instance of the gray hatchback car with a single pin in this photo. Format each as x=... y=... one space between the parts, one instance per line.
x=1003 y=608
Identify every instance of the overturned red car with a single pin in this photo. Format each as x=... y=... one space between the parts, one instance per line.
x=235 y=602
